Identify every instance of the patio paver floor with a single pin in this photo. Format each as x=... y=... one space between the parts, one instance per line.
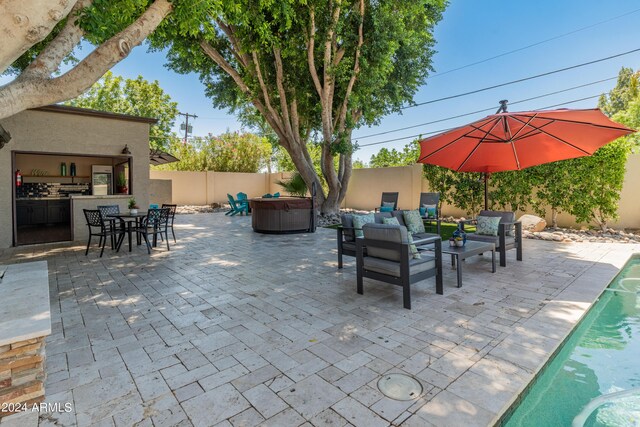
x=236 y=328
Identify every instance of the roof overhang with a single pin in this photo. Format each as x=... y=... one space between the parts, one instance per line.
x=158 y=157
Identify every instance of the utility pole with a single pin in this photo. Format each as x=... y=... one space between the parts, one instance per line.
x=187 y=130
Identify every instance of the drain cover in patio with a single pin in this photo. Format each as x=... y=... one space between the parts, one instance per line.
x=399 y=387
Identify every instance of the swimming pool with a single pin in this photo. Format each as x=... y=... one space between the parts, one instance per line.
x=599 y=359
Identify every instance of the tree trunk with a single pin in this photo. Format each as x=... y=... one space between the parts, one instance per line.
x=304 y=165
x=554 y=217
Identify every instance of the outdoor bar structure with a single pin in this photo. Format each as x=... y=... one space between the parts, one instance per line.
x=61 y=160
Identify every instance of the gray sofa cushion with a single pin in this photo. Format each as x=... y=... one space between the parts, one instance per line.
x=504 y=215
x=491 y=239
x=400 y=217
x=387 y=233
x=392 y=268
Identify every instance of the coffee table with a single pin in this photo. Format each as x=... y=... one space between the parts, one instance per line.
x=459 y=254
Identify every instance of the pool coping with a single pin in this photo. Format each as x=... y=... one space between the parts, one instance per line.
x=507 y=410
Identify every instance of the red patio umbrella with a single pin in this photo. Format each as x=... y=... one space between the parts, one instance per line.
x=512 y=141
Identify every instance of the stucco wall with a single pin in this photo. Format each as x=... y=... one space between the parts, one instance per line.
x=253 y=184
x=204 y=188
x=160 y=191
x=629 y=206
x=56 y=132
x=366 y=187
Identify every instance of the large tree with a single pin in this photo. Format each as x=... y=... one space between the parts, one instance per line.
x=137 y=97
x=314 y=70
x=39 y=36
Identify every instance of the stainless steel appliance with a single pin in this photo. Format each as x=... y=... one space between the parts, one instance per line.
x=101 y=180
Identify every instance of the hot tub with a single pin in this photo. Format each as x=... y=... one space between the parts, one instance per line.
x=283 y=215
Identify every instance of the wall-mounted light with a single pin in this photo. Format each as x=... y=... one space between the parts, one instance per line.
x=125 y=150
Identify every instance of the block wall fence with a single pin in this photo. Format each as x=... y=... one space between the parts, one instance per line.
x=365 y=187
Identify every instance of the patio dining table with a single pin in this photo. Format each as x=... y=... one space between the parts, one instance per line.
x=130 y=219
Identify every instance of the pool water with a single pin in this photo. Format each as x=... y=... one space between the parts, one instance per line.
x=601 y=356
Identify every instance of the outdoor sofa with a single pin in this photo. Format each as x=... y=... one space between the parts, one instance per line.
x=347 y=233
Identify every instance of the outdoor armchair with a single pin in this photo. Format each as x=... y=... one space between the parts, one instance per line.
x=155 y=224
x=509 y=234
x=106 y=210
x=100 y=227
x=237 y=207
x=430 y=199
x=388 y=202
x=387 y=258
x=347 y=233
x=172 y=217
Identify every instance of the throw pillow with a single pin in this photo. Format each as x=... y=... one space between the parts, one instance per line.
x=423 y=211
x=430 y=210
x=413 y=221
x=386 y=209
x=389 y=204
x=412 y=248
x=360 y=220
x=488 y=225
x=391 y=221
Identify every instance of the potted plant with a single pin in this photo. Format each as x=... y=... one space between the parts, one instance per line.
x=459 y=241
x=133 y=207
x=121 y=183
x=452 y=241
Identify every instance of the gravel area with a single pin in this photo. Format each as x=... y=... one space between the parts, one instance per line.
x=194 y=209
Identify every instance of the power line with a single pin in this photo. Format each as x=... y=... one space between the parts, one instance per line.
x=548 y=73
x=533 y=44
x=448 y=129
x=571 y=102
x=486 y=109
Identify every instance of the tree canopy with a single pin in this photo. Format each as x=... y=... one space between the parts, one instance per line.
x=137 y=97
x=229 y=152
x=40 y=36
x=313 y=70
x=388 y=158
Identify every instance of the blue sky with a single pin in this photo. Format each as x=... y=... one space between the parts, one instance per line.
x=470 y=31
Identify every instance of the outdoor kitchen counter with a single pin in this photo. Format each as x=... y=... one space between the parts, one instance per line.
x=109 y=196
x=41 y=198
x=25 y=323
x=24 y=307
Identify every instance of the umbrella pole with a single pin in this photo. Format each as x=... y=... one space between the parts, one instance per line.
x=486 y=192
